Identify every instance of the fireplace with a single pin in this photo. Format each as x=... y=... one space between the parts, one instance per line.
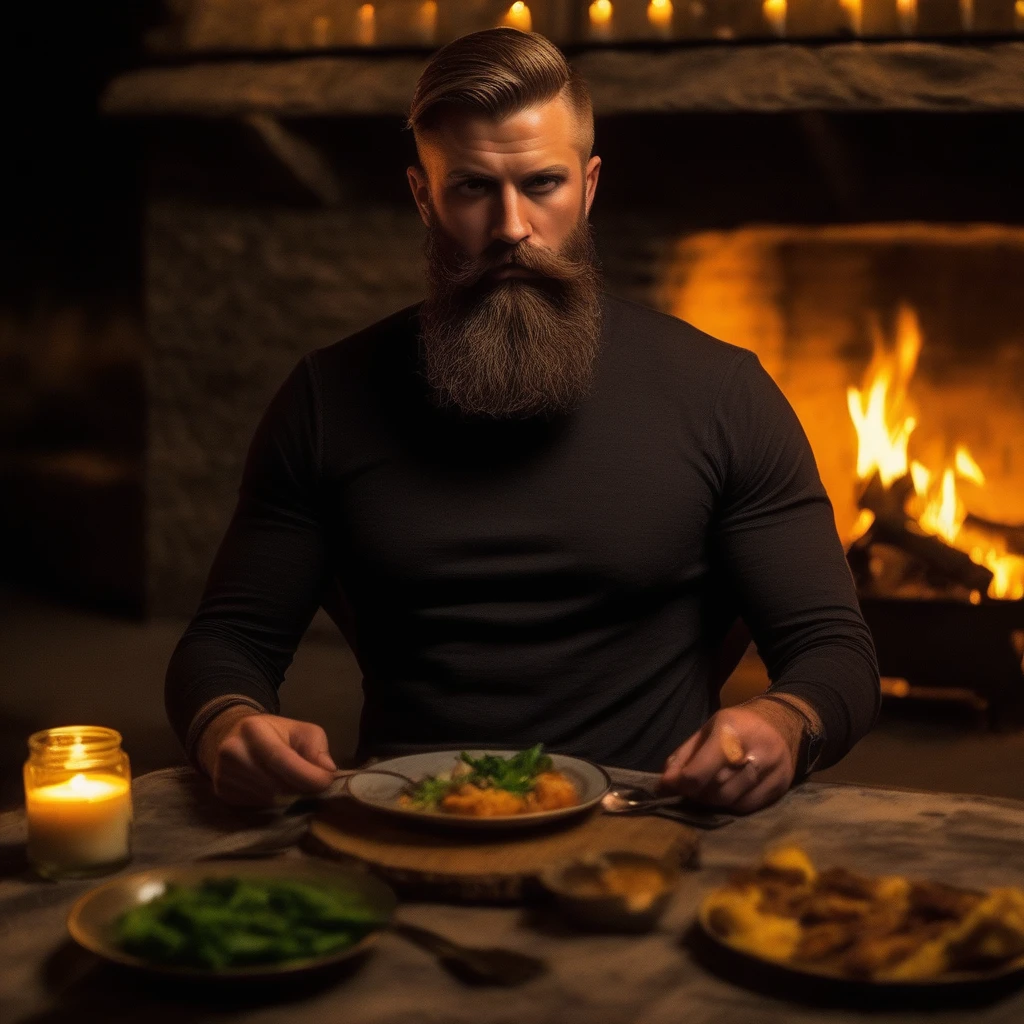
x=820 y=217
x=905 y=364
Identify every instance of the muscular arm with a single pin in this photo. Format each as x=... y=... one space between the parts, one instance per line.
x=267 y=577
x=776 y=540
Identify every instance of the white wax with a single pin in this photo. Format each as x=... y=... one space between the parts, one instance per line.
x=79 y=824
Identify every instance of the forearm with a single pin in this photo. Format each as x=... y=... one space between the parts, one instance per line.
x=838 y=683
x=207 y=674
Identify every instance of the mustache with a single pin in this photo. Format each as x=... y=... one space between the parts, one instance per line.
x=470 y=272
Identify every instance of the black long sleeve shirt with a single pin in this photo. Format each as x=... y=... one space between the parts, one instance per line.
x=567 y=581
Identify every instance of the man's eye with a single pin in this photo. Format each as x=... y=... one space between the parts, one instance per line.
x=472 y=187
x=544 y=183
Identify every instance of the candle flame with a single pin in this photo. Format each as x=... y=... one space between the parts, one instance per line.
x=775 y=15
x=80 y=785
x=855 y=12
x=366 y=25
x=659 y=15
x=518 y=16
x=907 y=11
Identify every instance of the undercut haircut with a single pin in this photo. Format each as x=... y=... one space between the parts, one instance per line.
x=497 y=73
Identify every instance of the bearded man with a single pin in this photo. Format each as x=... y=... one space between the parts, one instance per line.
x=545 y=508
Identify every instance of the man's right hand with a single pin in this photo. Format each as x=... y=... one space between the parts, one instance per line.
x=254 y=759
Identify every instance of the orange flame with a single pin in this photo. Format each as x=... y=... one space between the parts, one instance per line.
x=884 y=426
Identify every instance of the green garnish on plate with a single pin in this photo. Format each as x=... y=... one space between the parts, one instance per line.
x=235 y=922
x=516 y=774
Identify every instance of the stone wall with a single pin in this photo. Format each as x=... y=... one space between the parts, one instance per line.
x=235 y=298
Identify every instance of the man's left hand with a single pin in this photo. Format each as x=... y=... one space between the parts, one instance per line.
x=742 y=759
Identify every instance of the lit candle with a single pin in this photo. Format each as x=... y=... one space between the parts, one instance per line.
x=659 y=14
x=601 y=20
x=967 y=15
x=80 y=824
x=426 y=21
x=366 y=25
x=855 y=14
x=78 y=801
x=775 y=15
x=907 y=11
x=1018 y=15
x=518 y=16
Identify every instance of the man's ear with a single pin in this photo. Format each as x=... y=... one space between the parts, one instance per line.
x=593 y=172
x=420 y=192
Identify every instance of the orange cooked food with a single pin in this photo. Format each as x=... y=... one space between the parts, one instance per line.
x=492 y=786
x=888 y=928
x=551 y=792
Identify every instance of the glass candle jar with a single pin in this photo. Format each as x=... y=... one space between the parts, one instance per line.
x=78 y=802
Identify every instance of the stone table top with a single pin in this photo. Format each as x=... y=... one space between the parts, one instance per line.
x=659 y=978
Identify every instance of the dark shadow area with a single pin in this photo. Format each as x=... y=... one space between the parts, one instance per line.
x=86 y=989
x=72 y=394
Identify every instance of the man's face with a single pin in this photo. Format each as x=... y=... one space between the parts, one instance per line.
x=522 y=179
x=511 y=324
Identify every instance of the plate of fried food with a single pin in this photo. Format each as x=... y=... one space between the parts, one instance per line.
x=482 y=789
x=878 y=930
x=234 y=919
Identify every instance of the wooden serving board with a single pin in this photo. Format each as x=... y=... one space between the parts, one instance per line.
x=485 y=866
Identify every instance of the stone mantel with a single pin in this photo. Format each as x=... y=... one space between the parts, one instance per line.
x=903 y=76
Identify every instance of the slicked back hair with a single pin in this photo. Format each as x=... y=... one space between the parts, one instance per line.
x=497 y=73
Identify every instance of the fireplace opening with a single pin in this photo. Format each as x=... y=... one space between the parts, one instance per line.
x=907 y=370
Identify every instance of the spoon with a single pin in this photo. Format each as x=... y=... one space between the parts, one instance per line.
x=481 y=966
x=627 y=800
x=634 y=800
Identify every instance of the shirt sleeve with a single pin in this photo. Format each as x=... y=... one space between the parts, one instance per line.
x=775 y=535
x=269 y=572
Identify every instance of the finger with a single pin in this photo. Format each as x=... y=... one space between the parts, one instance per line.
x=680 y=757
x=740 y=782
x=707 y=761
x=310 y=741
x=766 y=792
x=290 y=770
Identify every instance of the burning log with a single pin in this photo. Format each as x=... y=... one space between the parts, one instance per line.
x=893 y=526
x=1012 y=536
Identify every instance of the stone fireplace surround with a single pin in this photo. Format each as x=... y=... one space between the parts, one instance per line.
x=278 y=219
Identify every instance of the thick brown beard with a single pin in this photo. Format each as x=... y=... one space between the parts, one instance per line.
x=516 y=347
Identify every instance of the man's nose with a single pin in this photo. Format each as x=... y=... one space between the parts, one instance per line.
x=511 y=223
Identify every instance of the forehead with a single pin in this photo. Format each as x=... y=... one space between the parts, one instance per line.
x=544 y=133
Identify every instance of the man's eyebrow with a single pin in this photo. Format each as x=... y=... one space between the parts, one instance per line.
x=467 y=172
x=553 y=169
x=463 y=173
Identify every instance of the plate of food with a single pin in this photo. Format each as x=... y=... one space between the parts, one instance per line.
x=481 y=789
x=234 y=919
x=885 y=930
